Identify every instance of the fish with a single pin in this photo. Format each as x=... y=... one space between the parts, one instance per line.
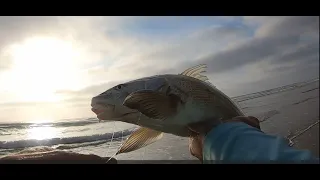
x=167 y=103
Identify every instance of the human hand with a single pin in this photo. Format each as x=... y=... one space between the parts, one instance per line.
x=196 y=141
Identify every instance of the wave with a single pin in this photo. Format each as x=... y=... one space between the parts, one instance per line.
x=94 y=139
x=272 y=91
x=49 y=124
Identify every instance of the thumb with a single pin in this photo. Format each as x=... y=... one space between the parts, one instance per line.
x=195 y=146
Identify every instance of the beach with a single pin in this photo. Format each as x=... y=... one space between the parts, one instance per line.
x=291 y=111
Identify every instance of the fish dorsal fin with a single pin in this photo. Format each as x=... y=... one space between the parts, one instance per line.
x=196 y=71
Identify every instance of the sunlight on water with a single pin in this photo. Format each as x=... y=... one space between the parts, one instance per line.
x=41 y=120
x=40 y=133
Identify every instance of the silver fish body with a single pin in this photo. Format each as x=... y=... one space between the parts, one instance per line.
x=164 y=103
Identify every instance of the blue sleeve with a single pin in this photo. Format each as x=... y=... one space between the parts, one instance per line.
x=234 y=142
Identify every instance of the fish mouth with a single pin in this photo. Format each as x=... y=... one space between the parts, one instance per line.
x=107 y=112
x=99 y=109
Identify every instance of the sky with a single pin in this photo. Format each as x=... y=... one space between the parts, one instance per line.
x=51 y=67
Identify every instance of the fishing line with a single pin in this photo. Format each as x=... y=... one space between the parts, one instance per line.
x=139 y=119
x=114 y=126
x=145 y=149
x=143 y=153
x=122 y=136
x=123 y=141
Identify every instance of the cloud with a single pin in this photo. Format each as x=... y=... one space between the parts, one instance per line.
x=225 y=48
x=180 y=51
x=89 y=91
x=5 y=61
x=269 y=43
x=259 y=46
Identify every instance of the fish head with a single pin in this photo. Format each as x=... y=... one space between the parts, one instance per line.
x=109 y=104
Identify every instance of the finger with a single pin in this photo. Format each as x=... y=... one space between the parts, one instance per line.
x=192 y=147
x=195 y=147
x=255 y=121
x=250 y=120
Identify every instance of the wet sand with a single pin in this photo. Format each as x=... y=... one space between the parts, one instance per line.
x=299 y=111
x=310 y=140
x=283 y=114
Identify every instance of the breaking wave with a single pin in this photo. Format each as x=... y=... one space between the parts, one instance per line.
x=63 y=142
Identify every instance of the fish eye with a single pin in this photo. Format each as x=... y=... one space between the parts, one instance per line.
x=119 y=87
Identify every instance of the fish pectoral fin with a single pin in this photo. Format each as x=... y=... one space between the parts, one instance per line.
x=140 y=138
x=153 y=104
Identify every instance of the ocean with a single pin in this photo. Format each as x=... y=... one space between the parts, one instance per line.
x=289 y=111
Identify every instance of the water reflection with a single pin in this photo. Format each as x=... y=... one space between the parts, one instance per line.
x=40 y=133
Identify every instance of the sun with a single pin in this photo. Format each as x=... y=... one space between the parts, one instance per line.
x=41 y=66
x=40 y=133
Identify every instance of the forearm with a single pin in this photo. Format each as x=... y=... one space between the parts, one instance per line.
x=238 y=142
